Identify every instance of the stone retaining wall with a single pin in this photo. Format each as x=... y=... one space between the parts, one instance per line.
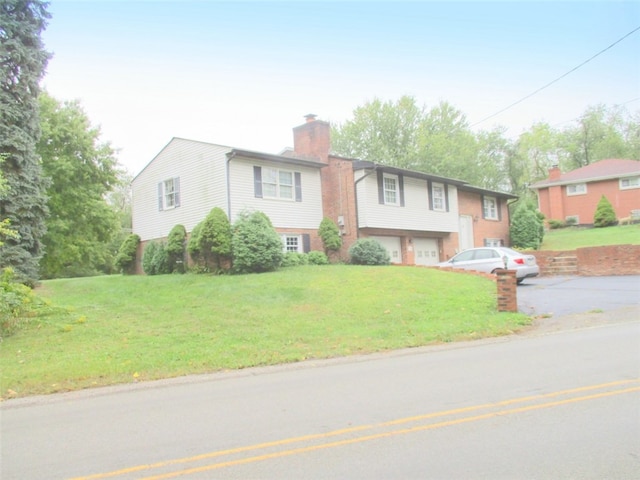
x=595 y=261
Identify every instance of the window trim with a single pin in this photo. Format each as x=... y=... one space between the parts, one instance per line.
x=395 y=190
x=631 y=185
x=163 y=195
x=486 y=214
x=303 y=242
x=259 y=190
x=434 y=197
x=576 y=191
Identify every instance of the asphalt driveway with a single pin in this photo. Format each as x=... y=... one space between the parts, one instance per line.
x=567 y=295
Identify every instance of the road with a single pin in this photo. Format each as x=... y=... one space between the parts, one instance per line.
x=561 y=404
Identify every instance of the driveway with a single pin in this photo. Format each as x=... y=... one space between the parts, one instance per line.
x=568 y=295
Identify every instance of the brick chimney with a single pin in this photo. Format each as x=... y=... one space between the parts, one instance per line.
x=554 y=172
x=312 y=139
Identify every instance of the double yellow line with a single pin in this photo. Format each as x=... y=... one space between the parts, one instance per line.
x=381 y=430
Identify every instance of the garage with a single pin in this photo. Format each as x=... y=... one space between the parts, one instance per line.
x=426 y=251
x=392 y=244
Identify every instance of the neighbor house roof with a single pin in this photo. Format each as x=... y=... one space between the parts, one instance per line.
x=608 y=169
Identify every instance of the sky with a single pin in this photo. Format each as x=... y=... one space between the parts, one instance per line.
x=243 y=74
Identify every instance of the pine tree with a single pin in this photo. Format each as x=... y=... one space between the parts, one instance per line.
x=22 y=65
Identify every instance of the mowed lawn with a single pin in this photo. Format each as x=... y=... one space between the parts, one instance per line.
x=119 y=329
x=571 y=238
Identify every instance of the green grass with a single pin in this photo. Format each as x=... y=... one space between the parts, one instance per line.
x=120 y=329
x=571 y=238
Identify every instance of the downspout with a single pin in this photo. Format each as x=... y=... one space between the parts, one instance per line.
x=355 y=188
x=230 y=157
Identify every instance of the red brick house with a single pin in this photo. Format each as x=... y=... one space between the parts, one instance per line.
x=575 y=195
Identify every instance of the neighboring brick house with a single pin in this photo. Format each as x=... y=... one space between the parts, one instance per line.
x=421 y=219
x=575 y=195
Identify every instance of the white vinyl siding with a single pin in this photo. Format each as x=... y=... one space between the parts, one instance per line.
x=414 y=215
x=201 y=169
x=305 y=213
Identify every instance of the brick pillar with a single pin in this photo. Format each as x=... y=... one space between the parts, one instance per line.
x=507 y=290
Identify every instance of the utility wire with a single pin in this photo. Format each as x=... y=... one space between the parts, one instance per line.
x=557 y=79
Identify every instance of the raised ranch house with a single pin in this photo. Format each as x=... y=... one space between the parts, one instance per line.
x=421 y=219
x=574 y=196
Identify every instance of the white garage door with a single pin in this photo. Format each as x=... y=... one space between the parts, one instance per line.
x=392 y=244
x=425 y=251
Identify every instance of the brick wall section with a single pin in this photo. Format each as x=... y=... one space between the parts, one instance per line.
x=507 y=290
x=597 y=261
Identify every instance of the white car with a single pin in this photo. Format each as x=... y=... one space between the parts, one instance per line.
x=490 y=259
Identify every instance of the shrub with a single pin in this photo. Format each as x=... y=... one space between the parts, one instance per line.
x=155 y=259
x=126 y=258
x=176 y=247
x=330 y=235
x=215 y=238
x=555 y=224
x=571 y=221
x=193 y=245
x=368 y=251
x=527 y=227
x=293 y=259
x=317 y=258
x=256 y=246
x=17 y=304
x=605 y=215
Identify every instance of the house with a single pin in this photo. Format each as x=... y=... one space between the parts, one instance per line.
x=421 y=219
x=574 y=195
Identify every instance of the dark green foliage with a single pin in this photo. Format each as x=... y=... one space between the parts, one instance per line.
x=155 y=259
x=605 y=215
x=193 y=245
x=215 y=239
x=256 y=245
x=368 y=251
x=176 y=248
x=23 y=61
x=317 y=258
x=294 y=259
x=126 y=258
x=82 y=225
x=527 y=227
x=555 y=224
x=571 y=221
x=330 y=235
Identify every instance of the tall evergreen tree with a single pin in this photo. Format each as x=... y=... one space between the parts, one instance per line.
x=22 y=65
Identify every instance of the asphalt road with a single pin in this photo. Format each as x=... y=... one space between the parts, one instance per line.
x=565 y=295
x=554 y=405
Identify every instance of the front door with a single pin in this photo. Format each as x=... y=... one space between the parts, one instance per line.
x=465 y=232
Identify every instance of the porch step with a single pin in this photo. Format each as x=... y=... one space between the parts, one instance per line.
x=566 y=265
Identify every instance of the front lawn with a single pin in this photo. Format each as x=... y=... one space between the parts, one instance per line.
x=118 y=329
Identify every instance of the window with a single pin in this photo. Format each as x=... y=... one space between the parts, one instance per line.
x=577 y=189
x=630 y=182
x=438 y=197
x=169 y=194
x=296 y=243
x=291 y=243
x=493 y=242
x=390 y=186
x=490 y=208
x=276 y=183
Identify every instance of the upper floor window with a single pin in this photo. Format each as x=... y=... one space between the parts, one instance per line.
x=169 y=194
x=275 y=183
x=577 y=189
x=438 y=196
x=390 y=186
x=629 y=182
x=490 y=208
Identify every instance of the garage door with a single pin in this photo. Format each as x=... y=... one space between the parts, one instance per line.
x=392 y=244
x=425 y=251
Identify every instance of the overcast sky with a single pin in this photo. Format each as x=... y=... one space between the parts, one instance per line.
x=243 y=74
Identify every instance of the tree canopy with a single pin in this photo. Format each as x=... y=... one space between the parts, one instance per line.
x=22 y=64
x=82 y=170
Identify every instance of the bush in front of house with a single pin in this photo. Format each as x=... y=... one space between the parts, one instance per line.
x=368 y=251
x=294 y=259
x=176 y=248
x=126 y=258
x=155 y=259
x=527 y=227
x=555 y=224
x=256 y=246
x=317 y=258
x=605 y=215
x=330 y=235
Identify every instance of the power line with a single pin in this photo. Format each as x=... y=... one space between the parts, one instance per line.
x=557 y=79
